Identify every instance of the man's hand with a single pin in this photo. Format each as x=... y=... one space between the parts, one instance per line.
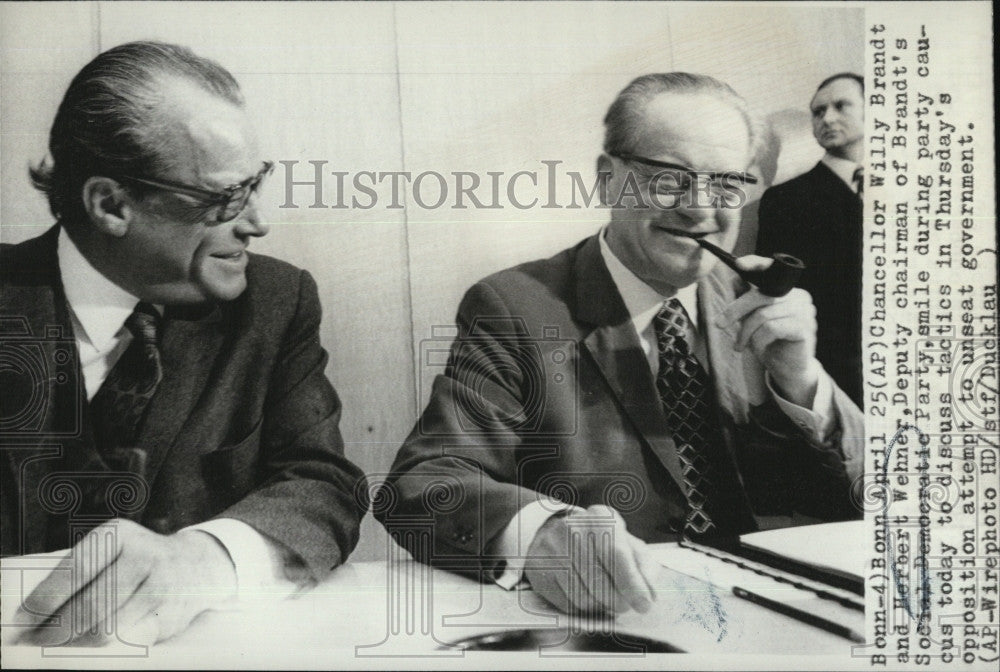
x=781 y=332
x=586 y=562
x=125 y=582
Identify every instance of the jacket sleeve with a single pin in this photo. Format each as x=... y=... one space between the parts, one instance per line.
x=787 y=471
x=453 y=486
x=793 y=472
x=308 y=497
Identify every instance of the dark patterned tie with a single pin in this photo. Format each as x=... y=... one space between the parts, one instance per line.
x=119 y=406
x=859 y=181
x=686 y=394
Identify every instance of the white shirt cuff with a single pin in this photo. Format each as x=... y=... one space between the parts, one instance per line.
x=260 y=562
x=516 y=538
x=817 y=422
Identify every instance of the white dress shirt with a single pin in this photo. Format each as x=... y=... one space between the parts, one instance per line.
x=643 y=303
x=842 y=168
x=98 y=309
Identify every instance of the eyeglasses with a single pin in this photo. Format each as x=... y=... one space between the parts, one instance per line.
x=717 y=183
x=231 y=200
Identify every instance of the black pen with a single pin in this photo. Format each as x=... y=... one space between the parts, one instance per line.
x=799 y=615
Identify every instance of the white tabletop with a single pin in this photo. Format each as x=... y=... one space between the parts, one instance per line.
x=366 y=616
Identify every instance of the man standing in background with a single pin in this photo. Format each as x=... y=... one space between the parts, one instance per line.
x=165 y=408
x=818 y=218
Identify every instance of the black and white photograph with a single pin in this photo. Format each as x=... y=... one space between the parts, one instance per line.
x=498 y=335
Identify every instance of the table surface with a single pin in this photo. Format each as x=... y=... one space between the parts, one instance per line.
x=366 y=611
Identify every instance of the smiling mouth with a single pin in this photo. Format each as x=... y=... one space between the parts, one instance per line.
x=232 y=256
x=694 y=235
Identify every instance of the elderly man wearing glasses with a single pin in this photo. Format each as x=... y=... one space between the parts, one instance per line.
x=631 y=388
x=178 y=433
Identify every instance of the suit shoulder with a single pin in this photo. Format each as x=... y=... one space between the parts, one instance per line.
x=272 y=275
x=791 y=188
x=268 y=268
x=523 y=299
x=525 y=281
x=11 y=258
x=31 y=261
x=277 y=283
x=784 y=205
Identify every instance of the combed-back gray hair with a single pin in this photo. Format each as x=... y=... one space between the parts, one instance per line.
x=624 y=117
x=110 y=119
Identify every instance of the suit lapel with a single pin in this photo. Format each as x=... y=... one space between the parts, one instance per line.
x=828 y=182
x=614 y=347
x=36 y=313
x=43 y=453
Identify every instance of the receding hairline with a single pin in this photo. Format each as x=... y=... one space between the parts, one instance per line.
x=833 y=80
x=624 y=116
x=732 y=104
x=175 y=101
x=184 y=100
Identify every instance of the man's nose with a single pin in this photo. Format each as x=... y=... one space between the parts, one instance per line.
x=698 y=205
x=830 y=113
x=249 y=222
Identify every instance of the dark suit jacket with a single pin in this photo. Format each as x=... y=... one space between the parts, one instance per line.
x=243 y=425
x=817 y=218
x=547 y=390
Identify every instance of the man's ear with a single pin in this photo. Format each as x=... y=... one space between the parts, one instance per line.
x=108 y=205
x=604 y=171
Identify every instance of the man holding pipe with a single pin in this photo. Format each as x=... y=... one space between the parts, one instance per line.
x=629 y=389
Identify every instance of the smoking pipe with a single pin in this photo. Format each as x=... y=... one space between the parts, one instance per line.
x=776 y=280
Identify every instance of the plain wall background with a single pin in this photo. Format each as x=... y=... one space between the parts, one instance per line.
x=419 y=86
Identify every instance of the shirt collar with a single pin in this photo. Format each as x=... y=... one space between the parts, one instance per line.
x=642 y=301
x=842 y=168
x=101 y=307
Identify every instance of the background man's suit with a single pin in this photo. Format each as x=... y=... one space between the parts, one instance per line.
x=817 y=217
x=598 y=434
x=243 y=426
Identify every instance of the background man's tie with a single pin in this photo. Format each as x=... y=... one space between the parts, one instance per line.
x=119 y=406
x=859 y=180
x=686 y=394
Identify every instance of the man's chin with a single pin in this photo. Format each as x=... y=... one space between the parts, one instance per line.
x=224 y=291
x=199 y=294
x=675 y=278
x=830 y=143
